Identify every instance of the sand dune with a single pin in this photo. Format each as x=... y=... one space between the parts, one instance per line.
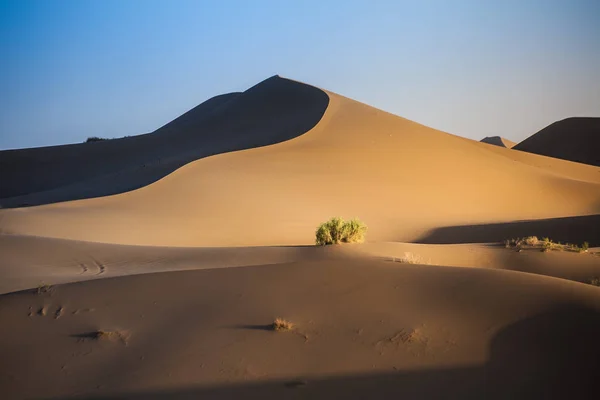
x=498 y=141
x=185 y=274
x=273 y=111
x=472 y=333
x=58 y=261
x=573 y=139
x=402 y=178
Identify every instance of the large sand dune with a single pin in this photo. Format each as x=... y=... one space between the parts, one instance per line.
x=273 y=111
x=573 y=139
x=186 y=273
x=402 y=178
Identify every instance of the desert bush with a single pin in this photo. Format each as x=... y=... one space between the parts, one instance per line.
x=281 y=325
x=330 y=232
x=337 y=230
x=94 y=139
x=354 y=231
x=44 y=288
x=585 y=246
x=531 y=240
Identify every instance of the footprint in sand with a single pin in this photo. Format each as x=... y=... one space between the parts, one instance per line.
x=101 y=268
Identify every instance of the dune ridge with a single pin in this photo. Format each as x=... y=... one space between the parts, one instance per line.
x=272 y=111
x=574 y=139
x=402 y=178
x=170 y=291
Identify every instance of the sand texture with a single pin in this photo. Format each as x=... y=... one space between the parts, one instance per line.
x=154 y=266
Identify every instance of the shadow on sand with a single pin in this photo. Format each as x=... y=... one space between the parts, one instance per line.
x=569 y=229
x=554 y=355
x=270 y=112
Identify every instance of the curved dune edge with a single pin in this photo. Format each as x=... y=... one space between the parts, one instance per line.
x=29 y=262
x=398 y=330
x=272 y=111
x=402 y=178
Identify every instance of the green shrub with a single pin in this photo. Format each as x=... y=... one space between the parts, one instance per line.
x=354 y=231
x=337 y=230
x=585 y=246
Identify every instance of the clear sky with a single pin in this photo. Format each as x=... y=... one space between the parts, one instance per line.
x=73 y=69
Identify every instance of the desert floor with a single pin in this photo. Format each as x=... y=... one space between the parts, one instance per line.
x=153 y=266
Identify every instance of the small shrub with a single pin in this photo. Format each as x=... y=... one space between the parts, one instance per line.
x=410 y=258
x=354 y=231
x=595 y=281
x=585 y=246
x=337 y=230
x=281 y=325
x=330 y=232
x=531 y=240
x=105 y=335
x=44 y=288
x=95 y=139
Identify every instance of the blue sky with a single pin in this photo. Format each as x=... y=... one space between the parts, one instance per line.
x=73 y=69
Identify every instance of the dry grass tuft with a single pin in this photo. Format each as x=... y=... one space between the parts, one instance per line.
x=410 y=258
x=105 y=335
x=281 y=325
x=545 y=245
x=531 y=240
x=44 y=288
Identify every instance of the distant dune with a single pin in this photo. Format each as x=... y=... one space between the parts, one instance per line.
x=498 y=141
x=573 y=139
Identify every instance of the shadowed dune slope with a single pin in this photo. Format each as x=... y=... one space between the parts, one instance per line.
x=363 y=329
x=498 y=141
x=402 y=178
x=573 y=139
x=567 y=230
x=275 y=110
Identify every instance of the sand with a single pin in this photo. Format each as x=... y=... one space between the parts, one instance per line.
x=403 y=179
x=163 y=281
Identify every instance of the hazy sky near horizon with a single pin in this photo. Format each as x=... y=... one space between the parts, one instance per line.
x=73 y=69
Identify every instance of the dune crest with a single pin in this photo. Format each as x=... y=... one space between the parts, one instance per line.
x=246 y=311
x=272 y=111
x=402 y=178
x=573 y=139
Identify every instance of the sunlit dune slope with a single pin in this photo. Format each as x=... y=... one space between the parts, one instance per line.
x=224 y=123
x=402 y=178
x=574 y=139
